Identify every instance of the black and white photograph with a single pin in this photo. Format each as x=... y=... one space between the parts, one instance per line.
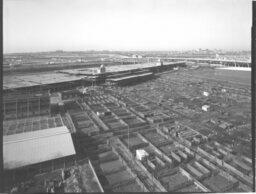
x=128 y=96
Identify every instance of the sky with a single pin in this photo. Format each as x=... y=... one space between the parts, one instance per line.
x=79 y=25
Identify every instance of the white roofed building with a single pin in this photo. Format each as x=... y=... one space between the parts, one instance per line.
x=23 y=149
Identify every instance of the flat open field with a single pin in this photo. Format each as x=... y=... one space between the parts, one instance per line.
x=240 y=77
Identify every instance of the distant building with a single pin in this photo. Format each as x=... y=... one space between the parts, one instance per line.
x=55 y=101
x=140 y=154
x=205 y=108
x=225 y=125
x=70 y=95
x=136 y=56
x=206 y=93
x=159 y=62
x=59 y=51
x=6 y=65
x=83 y=90
x=55 y=98
x=102 y=69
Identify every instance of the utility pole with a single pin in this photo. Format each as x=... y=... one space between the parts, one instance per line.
x=128 y=137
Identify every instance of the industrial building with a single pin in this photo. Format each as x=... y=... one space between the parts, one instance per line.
x=23 y=149
x=21 y=105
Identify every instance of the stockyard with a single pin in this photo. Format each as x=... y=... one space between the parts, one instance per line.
x=128 y=128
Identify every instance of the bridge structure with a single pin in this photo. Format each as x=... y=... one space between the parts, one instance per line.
x=225 y=63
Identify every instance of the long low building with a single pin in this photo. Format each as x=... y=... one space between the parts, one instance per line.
x=129 y=78
x=75 y=77
x=23 y=149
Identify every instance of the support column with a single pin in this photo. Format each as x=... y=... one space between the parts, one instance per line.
x=16 y=108
x=4 y=109
x=62 y=120
x=39 y=106
x=47 y=123
x=49 y=103
x=27 y=107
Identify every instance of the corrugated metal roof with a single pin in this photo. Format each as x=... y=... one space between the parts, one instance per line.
x=36 y=146
x=129 y=77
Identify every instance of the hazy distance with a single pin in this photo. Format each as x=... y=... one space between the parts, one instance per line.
x=46 y=25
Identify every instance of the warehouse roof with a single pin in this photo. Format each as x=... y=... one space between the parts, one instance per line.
x=129 y=77
x=36 y=146
x=68 y=75
x=26 y=80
